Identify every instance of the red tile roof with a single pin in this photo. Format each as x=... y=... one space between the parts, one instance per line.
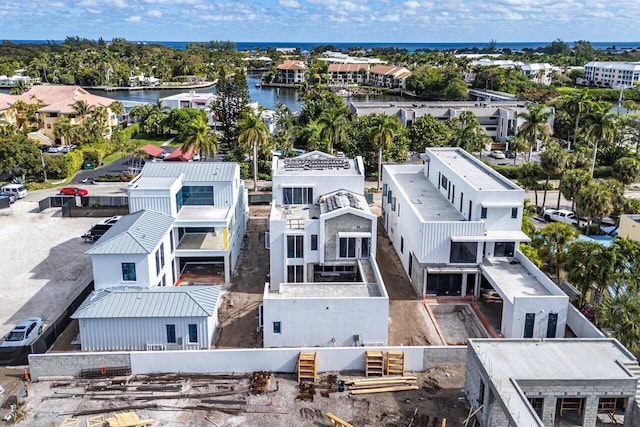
x=59 y=98
x=347 y=68
x=152 y=150
x=292 y=65
x=177 y=156
x=396 y=72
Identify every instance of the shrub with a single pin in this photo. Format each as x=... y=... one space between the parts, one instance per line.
x=603 y=172
x=511 y=171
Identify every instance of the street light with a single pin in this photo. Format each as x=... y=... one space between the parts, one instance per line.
x=44 y=168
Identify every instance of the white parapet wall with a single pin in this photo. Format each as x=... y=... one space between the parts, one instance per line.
x=329 y=359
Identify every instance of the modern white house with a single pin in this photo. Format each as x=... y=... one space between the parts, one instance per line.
x=456 y=226
x=130 y=319
x=544 y=383
x=325 y=288
x=500 y=120
x=537 y=72
x=209 y=209
x=612 y=74
x=192 y=99
x=138 y=250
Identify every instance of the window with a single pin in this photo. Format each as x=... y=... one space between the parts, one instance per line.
x=463 y=252
x=398 y=210
x=295 y=246
x=401 y=244
x=347 y=247
x=552 y=324
x=393 y=204
x=171 y=240
x=171 y=333
x=276 y=327
x=504 y=249
x=444 y=182
x=444 y=284
x=314 y=242
x=389 y=196
x=162 y=255
x=193 y=333
x=483 y=213
x=194 y=195
x=295 y=273
x=461 y=199
x=514 y=212
x=366 y=247
x=157 y=262
x=529 y=322
x=164 y=280
x=385 y=187
x=129 y=271
x=297 y=196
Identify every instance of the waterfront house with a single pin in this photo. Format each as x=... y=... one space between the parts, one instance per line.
x=389 y=76
x=290 y=73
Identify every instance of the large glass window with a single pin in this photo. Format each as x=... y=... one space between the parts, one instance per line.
x=504 y=249
x=444 y=284
x=157 y=263
x=194 y=195
x=171 y=333
x=129 y=271
x=463 y=252
x=162 y=255
x=295 y=247
x=347 y=247
x=297 y=196
x=483 y=213
x=295 y=274
x=193 y=333
x=314 y=242
x=366 y=247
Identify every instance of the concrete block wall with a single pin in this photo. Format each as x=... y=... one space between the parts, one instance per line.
x=71 y=364
x=329 y=359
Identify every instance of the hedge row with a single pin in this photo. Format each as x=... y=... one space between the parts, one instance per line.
x=511 y=172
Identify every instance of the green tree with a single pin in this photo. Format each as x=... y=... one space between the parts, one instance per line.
x=581 y=266
x=593 y=200
x=600 y=127
x=528 y=178
x=626 y=170
x=535 y=127
x=253 y=133
x=517 y=144
x=467 y=132
x=198 y=137
x=622 y=315
x=553 y=161
x=555 y=238
x=181 y=118
x=572 y=182
x=384 y=128
x=427 y=131
x=333 y=127
x=577 y=105
x=232 y=100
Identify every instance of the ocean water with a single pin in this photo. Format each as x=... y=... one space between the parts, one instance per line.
x=411 y=47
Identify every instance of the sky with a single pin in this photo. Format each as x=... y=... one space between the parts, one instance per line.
x=322 y=20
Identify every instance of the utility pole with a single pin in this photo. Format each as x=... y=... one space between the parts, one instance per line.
x=44 y=167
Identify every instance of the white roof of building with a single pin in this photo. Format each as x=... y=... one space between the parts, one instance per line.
x=614 y=65
x=185 y=301
x=513 y=279
x=508 y=361
x=190 y=96
x=193 y=171
x=136 y=233
x=475 y=173
x=318 y=163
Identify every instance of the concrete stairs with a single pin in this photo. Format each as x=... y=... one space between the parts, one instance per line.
x=634 y=368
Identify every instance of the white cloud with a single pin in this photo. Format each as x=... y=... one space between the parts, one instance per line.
x=154 y=13
x=412 y=4
x=57 y=4
x=289 y=3
x=134 y=18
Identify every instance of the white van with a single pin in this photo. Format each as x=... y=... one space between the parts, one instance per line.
x=18 y=189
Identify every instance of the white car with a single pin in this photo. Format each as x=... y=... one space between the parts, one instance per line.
x=560 y=215
x=497 y=154
x=55 y=149
x=24 y=333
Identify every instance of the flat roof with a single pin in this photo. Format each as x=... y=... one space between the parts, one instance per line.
x=327 y=290
x=295 y=212
x=426 y=198
x=477 y=174
x=514 y=280
x=202 y=213
x=318 y=163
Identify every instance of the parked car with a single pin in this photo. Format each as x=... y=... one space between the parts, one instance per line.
x=24 y=333
x=88 y=165
x=73 y=191
x=560 y=215
x=55 y=149
x=510 y=154
x=163 y=154
x=497 y=154
x=12 y=197
x=19 y=190
x=98 y=229
x=68 y=148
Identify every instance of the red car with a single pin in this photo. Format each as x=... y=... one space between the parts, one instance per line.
x=73 y=191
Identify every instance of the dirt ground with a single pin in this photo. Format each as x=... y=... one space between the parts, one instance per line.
x=439 y=396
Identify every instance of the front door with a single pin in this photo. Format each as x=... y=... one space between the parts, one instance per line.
x=528 y=325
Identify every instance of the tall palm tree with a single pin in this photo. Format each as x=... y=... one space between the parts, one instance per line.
x=467 y=132
x=553 y=162
x=572 y=181
x=383 y=129
x=600 y=128
x=528 y=178
x=62 y=130
x=556 y=236
x=199 y=137
x=334 y=125
x=517 y=144
x=253 y=133
x=536 y=126
x=594 y=200
x=581 y=266
x=578 y=105
x=626 y=170
x=622 y=315
x=81 y=108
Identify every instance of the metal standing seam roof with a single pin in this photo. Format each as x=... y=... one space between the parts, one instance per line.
x=137 y=233
x=188 y=301
x=193 y=171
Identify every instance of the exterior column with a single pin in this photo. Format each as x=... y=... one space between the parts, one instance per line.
x=463 y=288
x=549 y=410
x=629 y=409
x=590 y=411
x=227 y=269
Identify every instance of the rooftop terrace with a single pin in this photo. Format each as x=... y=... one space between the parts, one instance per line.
x=425 y=197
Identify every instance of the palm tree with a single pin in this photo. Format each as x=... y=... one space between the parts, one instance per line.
x=593 y=200
x=333 y=124
x=578 y=105
x=572 y=181
x=580 y=266
x=467 y=132
x=62 y=130
x=253 y=133
x=383 y=129
x=553 y=162
x=622 y=315
x=626 y=170
x=199 y=138
x=556 y=236
x=517 y=143
x=536 y=126
x=600 y=128
x=81 y=108
x=528 y=178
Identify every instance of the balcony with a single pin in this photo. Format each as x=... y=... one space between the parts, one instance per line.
x=203 y=241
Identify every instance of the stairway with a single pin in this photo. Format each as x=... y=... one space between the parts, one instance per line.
x=307 y=366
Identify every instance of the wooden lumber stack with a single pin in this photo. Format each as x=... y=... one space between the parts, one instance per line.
x=307 y=366
x=382 y=385
x=128 y=419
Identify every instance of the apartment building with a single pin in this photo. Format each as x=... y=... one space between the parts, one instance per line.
x=612 y=74
x=348 y=74
x=389 y=76
x=456 y=226
x=290 y=73
x=324 y=288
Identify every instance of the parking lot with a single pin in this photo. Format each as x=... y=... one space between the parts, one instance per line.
x=44 y=266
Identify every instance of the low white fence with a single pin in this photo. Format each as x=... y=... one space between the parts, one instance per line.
x=580 y=325
x=329 y=359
